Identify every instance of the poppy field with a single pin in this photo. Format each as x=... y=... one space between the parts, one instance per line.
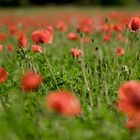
x=69 y=74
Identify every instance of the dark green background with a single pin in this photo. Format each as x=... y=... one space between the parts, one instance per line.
x=75 y=2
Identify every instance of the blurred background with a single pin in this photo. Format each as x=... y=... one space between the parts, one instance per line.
x=72 y=2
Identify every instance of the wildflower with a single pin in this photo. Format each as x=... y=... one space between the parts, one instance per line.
x=1 y=48
x=36 y=48
x=118 y=28
x=133 y=123
x=61 y=26
x=134 y=24
x=86 y=26
x=107 y=37
x=86 y=40
x=3 y=75
x=31 y=81
x=63 y=102
x=42 y=36
x=2 y=37
x=129 y=98
x=76 y=52
x=72 y=36
x=120 y=51
x=22 y=41
x=10 y=47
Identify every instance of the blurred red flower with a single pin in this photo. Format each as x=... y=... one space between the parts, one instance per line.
x=133 y=123
x=86 y=26
x=86 y=40
x=1 y=48
x=36 y=48
x=120 y=51
x=134 y=24
x=31 y=81
x=2 y=37
x=10 y=47
x=76 y=52
x=61 y=26
x=42 y=36
x=118 y=28
x=107 y=37
x=3 y=75
x=22 y=41
x=129 y=98
x=63 y=102
x=72 y=36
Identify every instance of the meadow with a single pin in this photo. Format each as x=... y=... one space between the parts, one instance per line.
x=87 y=53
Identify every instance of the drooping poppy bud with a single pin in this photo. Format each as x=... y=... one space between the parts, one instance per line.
x=22 y=41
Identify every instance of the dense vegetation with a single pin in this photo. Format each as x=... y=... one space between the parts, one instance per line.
x=93 y=73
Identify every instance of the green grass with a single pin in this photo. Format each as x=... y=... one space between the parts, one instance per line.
x=24 y=117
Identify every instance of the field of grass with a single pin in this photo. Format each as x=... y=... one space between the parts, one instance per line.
x=94 y=77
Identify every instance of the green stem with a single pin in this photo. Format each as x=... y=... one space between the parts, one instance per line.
x=51 y=69
x=84 y=75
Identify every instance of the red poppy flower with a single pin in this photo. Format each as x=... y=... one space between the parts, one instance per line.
x=1 y=48
x=3 y=75
x=86 y=40
x=129 y=98
x=61 y=26
x=31 y=81
x=118 y=28
x=134 y=24
x=36 y=48
x=2 y=37
x=12 y=29
x=107 y=37
x=120 y=51
x=10 y=47
x=22 y=41
x=72 y=36
x=76 y=52
x=130 y=124
x=50 y=28
x=86 y=26
x=42 y=36
x=133 y=123
x=63 y=102
x=105 y=28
